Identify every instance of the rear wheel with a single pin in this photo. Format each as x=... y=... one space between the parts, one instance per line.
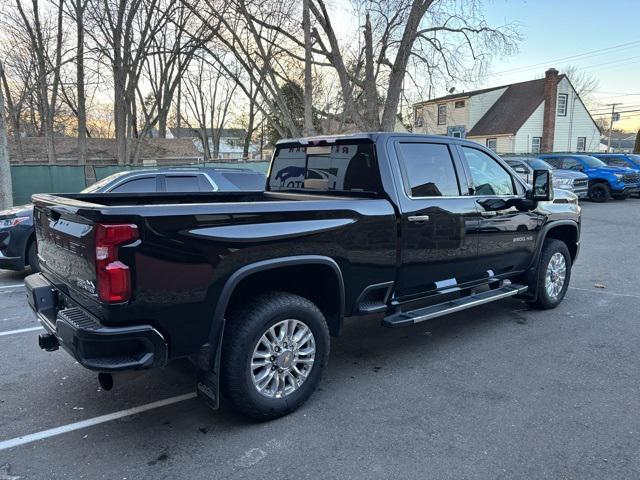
x=599 y=192
x=552 y=274
x=32 y=257
x=275 y=349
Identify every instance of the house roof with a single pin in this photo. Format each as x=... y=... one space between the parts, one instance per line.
x=459 y=95
x=511 y=110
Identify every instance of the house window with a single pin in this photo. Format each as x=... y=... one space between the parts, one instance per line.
x=418 y=118
x=536 y=144
x=492 y=144
x=459 y=104
x=562 y=104
x=582 y=144
x=442 y=114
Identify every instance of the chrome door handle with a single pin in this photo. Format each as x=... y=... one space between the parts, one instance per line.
x=489 y=213
x=418 y=218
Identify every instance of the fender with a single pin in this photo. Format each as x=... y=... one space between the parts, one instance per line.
x=208 y=361
x=543 y=235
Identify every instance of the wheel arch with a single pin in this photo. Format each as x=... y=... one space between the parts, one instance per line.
x=567 y=231
x=31 y=239
x=285 y=273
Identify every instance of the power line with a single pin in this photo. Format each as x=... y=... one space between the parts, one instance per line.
x=609 y=113
x=586 y=54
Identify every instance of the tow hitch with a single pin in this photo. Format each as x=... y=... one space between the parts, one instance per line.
x=48 y=342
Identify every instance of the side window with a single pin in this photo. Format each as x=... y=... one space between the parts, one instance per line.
x=554 y=162
x=488 y=176
x=429 y=170
x=518 y=167
x=571 y=164
x=615 y=162
x=136 y=185
x=182 y=183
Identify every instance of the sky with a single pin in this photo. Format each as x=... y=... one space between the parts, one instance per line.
x=602 y=37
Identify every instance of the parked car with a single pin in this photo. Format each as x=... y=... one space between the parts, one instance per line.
x=17 y=237
x=604 y=181
x=575 y=182
x=250 y=286
x=628 y=160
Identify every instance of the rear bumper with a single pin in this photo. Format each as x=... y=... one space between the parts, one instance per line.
x=93 y=345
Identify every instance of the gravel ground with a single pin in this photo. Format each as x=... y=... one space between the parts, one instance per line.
x=499 y=392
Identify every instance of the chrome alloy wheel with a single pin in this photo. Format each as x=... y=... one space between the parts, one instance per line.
x=283 y=358
x=556 y=275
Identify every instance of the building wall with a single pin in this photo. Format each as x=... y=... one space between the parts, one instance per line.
x=455 y=116
x=480 y=104
x=531 y=128
x=505 y=143
x=577 y=123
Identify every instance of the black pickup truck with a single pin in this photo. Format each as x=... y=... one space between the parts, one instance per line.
x=250 y=285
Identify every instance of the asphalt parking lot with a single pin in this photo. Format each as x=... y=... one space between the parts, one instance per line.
x=499 y=392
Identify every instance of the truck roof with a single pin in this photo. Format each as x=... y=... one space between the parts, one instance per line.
x=363 y=137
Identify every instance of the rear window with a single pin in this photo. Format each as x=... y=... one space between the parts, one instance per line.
x=335 y=168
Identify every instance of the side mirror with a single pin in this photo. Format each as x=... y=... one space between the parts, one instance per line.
x=542 y=186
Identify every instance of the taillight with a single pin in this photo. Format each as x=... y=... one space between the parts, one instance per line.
x=113 y=276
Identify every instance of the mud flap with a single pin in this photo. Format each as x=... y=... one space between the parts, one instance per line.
x=207 y=388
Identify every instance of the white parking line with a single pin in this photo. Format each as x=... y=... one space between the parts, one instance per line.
x=12 y=286
x=34 y=437
x=600 y=290
x=21 y=330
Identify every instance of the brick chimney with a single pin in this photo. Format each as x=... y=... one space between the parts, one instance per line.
x=550 y=99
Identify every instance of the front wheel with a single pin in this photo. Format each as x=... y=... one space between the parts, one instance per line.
x=599 y=192
x=274 y=351
x=552 y=274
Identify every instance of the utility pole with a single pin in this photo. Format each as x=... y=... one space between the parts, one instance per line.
x=6 y=189
x=613 y=112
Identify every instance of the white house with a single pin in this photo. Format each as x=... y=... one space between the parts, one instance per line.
x=543 y=115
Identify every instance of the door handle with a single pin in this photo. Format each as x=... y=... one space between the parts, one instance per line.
x=418 y=218
x=489 y=213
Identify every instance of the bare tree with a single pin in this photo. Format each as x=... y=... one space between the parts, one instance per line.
x=583 y=82
x=47 y=66
x=308 y=74
x=123 y=32
x=207 y=95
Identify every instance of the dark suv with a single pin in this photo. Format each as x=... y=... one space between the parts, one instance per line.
x=17 y=238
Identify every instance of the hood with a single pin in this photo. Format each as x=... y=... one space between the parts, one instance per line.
x=17 y=211
x=613 y=170
x=558 y=173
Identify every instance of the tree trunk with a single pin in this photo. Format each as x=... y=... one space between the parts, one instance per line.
x=308 y=128
x=398 y=71
x=370 y=88
x=14 y=115
x=6 y=190
x=250 y=127
x=82 y=109
x=636 y=148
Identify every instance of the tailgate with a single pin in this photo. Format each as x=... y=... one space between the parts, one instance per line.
x=66 y=246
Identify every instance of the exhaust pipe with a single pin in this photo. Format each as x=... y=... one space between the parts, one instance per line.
x=105 y=380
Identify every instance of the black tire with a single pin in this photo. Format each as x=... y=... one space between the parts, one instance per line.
x=599 y=192
x=245 y=327
x=32 y=258
x=544 y=300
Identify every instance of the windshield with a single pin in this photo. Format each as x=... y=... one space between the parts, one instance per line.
x=336 y=168
x=634 y=158
x=538 y=164
x=101 y=183
x=592 y=162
